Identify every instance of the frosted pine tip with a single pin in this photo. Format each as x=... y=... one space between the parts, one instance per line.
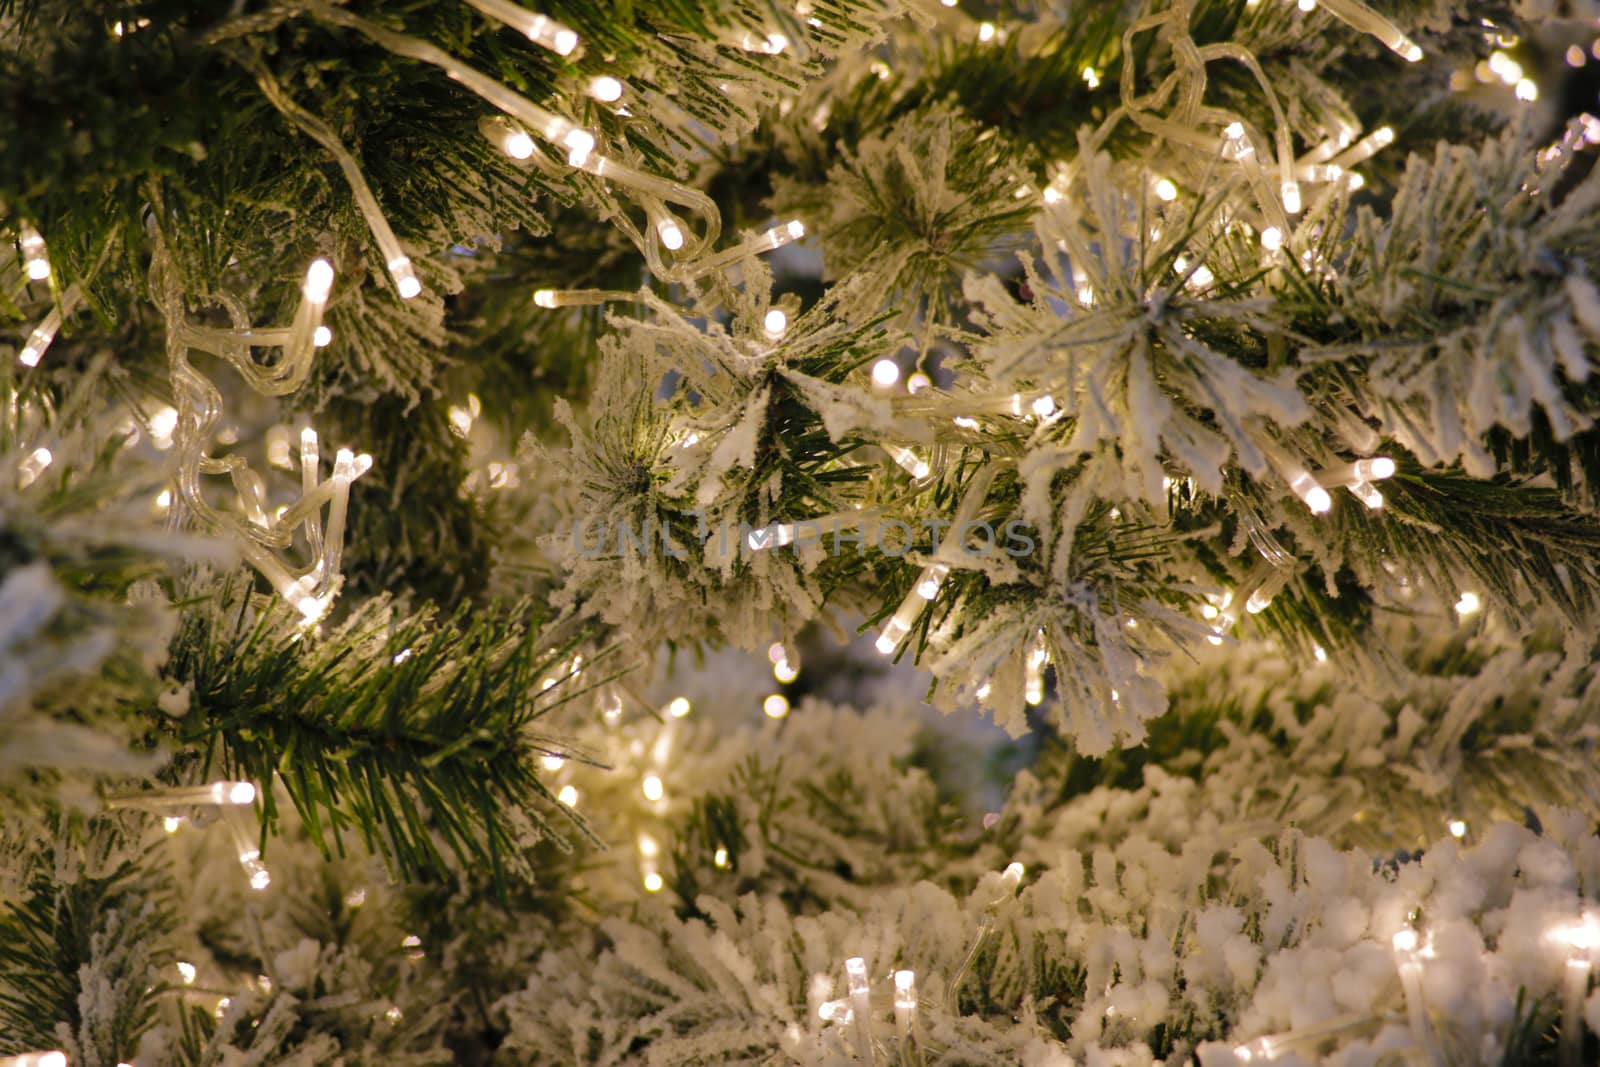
x=319 y=281
x=605 y=89
x=775 y=323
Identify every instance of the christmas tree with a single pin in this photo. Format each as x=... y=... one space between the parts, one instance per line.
x=811 y=532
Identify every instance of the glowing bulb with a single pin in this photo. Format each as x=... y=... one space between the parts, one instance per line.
x=171 y=823
x=568 y=796
x=1318 y=500
x=1272 y=238
x=986 y=31
x=164 y=498
x=241 y=793
x=886 y=372
x=321 y=337
x=579 y=143
x=775 y=323
x=163 y=423
x=653 y=882
x=553 y=763
x=1291 y=197
x=187 y=972
x=1320 y=653
x=1166 y=191
x=1092 y=77
x=1355 y=181
x=405 y=279
x=775 y=706
x=606 y=89
x=517 y=144
x=721 y=858
x=564 y=41
x=776 y=43
x=678 y=708
x=652 y=787
x=776 y=653
x=1044 y=407
x=785 y=672
x=1469 y=603
x=1458 y=828
x=671 y=234
x=1307 y=5
x=1405 y=941
x=1527 y=90
x=545 y=298
x=647 y=846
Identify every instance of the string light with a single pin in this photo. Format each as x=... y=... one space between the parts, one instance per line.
x=652 y=787
x=1468 y=603
x=237 y=794
x=40 y=338
x=32 y=466
x=540 y=29
x=35 y=259
x=679 y=707
x=1166 y=191
x=855 y=971
x=186 y=972
x=776 y=323
x=775 y=706
x=1033 y=665
x=908 y=460
x=885 y=372
x=905 y=1005
x=1272 y=238
x=785 y=672
x=568 y=796
x=606 y=89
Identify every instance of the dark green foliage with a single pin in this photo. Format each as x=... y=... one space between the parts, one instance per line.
x=433 y=752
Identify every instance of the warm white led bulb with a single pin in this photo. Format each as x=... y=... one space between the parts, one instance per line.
x=518 y=145
x=886 y=372
x=579 y=143
x=1166 y=190
x=568 y=796
x=319 y=281
x=321 y=337
x=1405 y=941
x=775 y=706
x=652 y=787
x=1291 y=197
x=671 y=234
x=1272 y=238
x=679 y=707
x=775 y=323
x=564 y=41
x=606 y=89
